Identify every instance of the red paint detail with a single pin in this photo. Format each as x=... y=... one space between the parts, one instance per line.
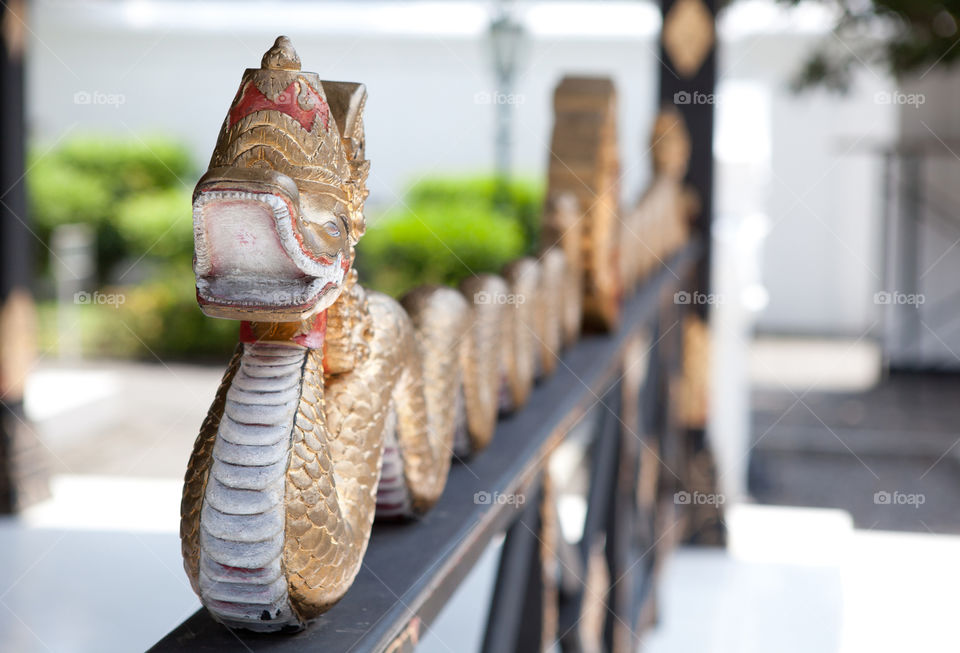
x=252 y=100
x=312 y=339
x=246 y=238
x=315 y=337
x=242 y=571
x=246 y=333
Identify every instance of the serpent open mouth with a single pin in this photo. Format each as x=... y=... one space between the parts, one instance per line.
x=251 y=262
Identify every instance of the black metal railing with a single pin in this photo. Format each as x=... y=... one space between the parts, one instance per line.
x=592 y=593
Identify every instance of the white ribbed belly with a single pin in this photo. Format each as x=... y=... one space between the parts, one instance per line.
x=243 y=515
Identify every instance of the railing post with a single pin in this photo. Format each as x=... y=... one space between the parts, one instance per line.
x=688 y=75
x=688 y=78
x=515 y=622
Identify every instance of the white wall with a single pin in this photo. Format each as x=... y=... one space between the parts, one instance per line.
x=820 y=187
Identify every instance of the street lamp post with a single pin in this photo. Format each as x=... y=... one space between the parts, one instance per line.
x=507 y=40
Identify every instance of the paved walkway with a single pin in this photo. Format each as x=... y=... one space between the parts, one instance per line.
x=801 y=580
x=887 y=450
x=118 y=418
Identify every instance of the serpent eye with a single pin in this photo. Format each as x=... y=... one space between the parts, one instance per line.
x=331 y=228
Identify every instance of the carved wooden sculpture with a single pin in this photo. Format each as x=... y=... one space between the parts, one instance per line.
x=584 y=162
x=660 y=222
x=339 y=403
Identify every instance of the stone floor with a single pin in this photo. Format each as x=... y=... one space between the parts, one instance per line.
x=887 y=454
x=95 y=568
x=875 y=461
x=118 y=418
x=804 y=580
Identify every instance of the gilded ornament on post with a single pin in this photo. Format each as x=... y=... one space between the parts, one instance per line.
x=585 y=163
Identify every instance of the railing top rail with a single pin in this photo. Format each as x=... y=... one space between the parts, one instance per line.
x=411 y=570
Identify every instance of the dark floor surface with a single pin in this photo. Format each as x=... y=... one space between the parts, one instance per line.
x=900 y=439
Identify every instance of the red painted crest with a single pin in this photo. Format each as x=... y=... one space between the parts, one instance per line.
x=252 y=100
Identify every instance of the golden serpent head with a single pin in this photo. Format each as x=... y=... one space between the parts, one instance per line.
x=280 y=208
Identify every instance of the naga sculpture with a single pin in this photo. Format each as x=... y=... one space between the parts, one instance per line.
x=659 y=224
x=584 y=163
x=339 y=403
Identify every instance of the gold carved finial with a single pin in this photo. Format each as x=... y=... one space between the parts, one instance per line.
x=688 y=35
x=281 y=56
x=670 y=144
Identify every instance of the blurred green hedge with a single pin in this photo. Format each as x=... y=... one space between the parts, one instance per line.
x=135 y=193
x=155 y=320
x=447 y=228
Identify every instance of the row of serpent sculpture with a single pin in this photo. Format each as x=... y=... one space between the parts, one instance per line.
x=340 y=403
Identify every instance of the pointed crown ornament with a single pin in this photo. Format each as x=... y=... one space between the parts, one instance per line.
x=281 y=204
x=285 y=119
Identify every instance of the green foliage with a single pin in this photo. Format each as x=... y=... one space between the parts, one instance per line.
x=156 y=319
x=61 y=194
x=129 y=165
x=520 y=201
x=158 y=223
x=448 y=228
x=133 y=191
x=917 y=35
x=163 y=317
